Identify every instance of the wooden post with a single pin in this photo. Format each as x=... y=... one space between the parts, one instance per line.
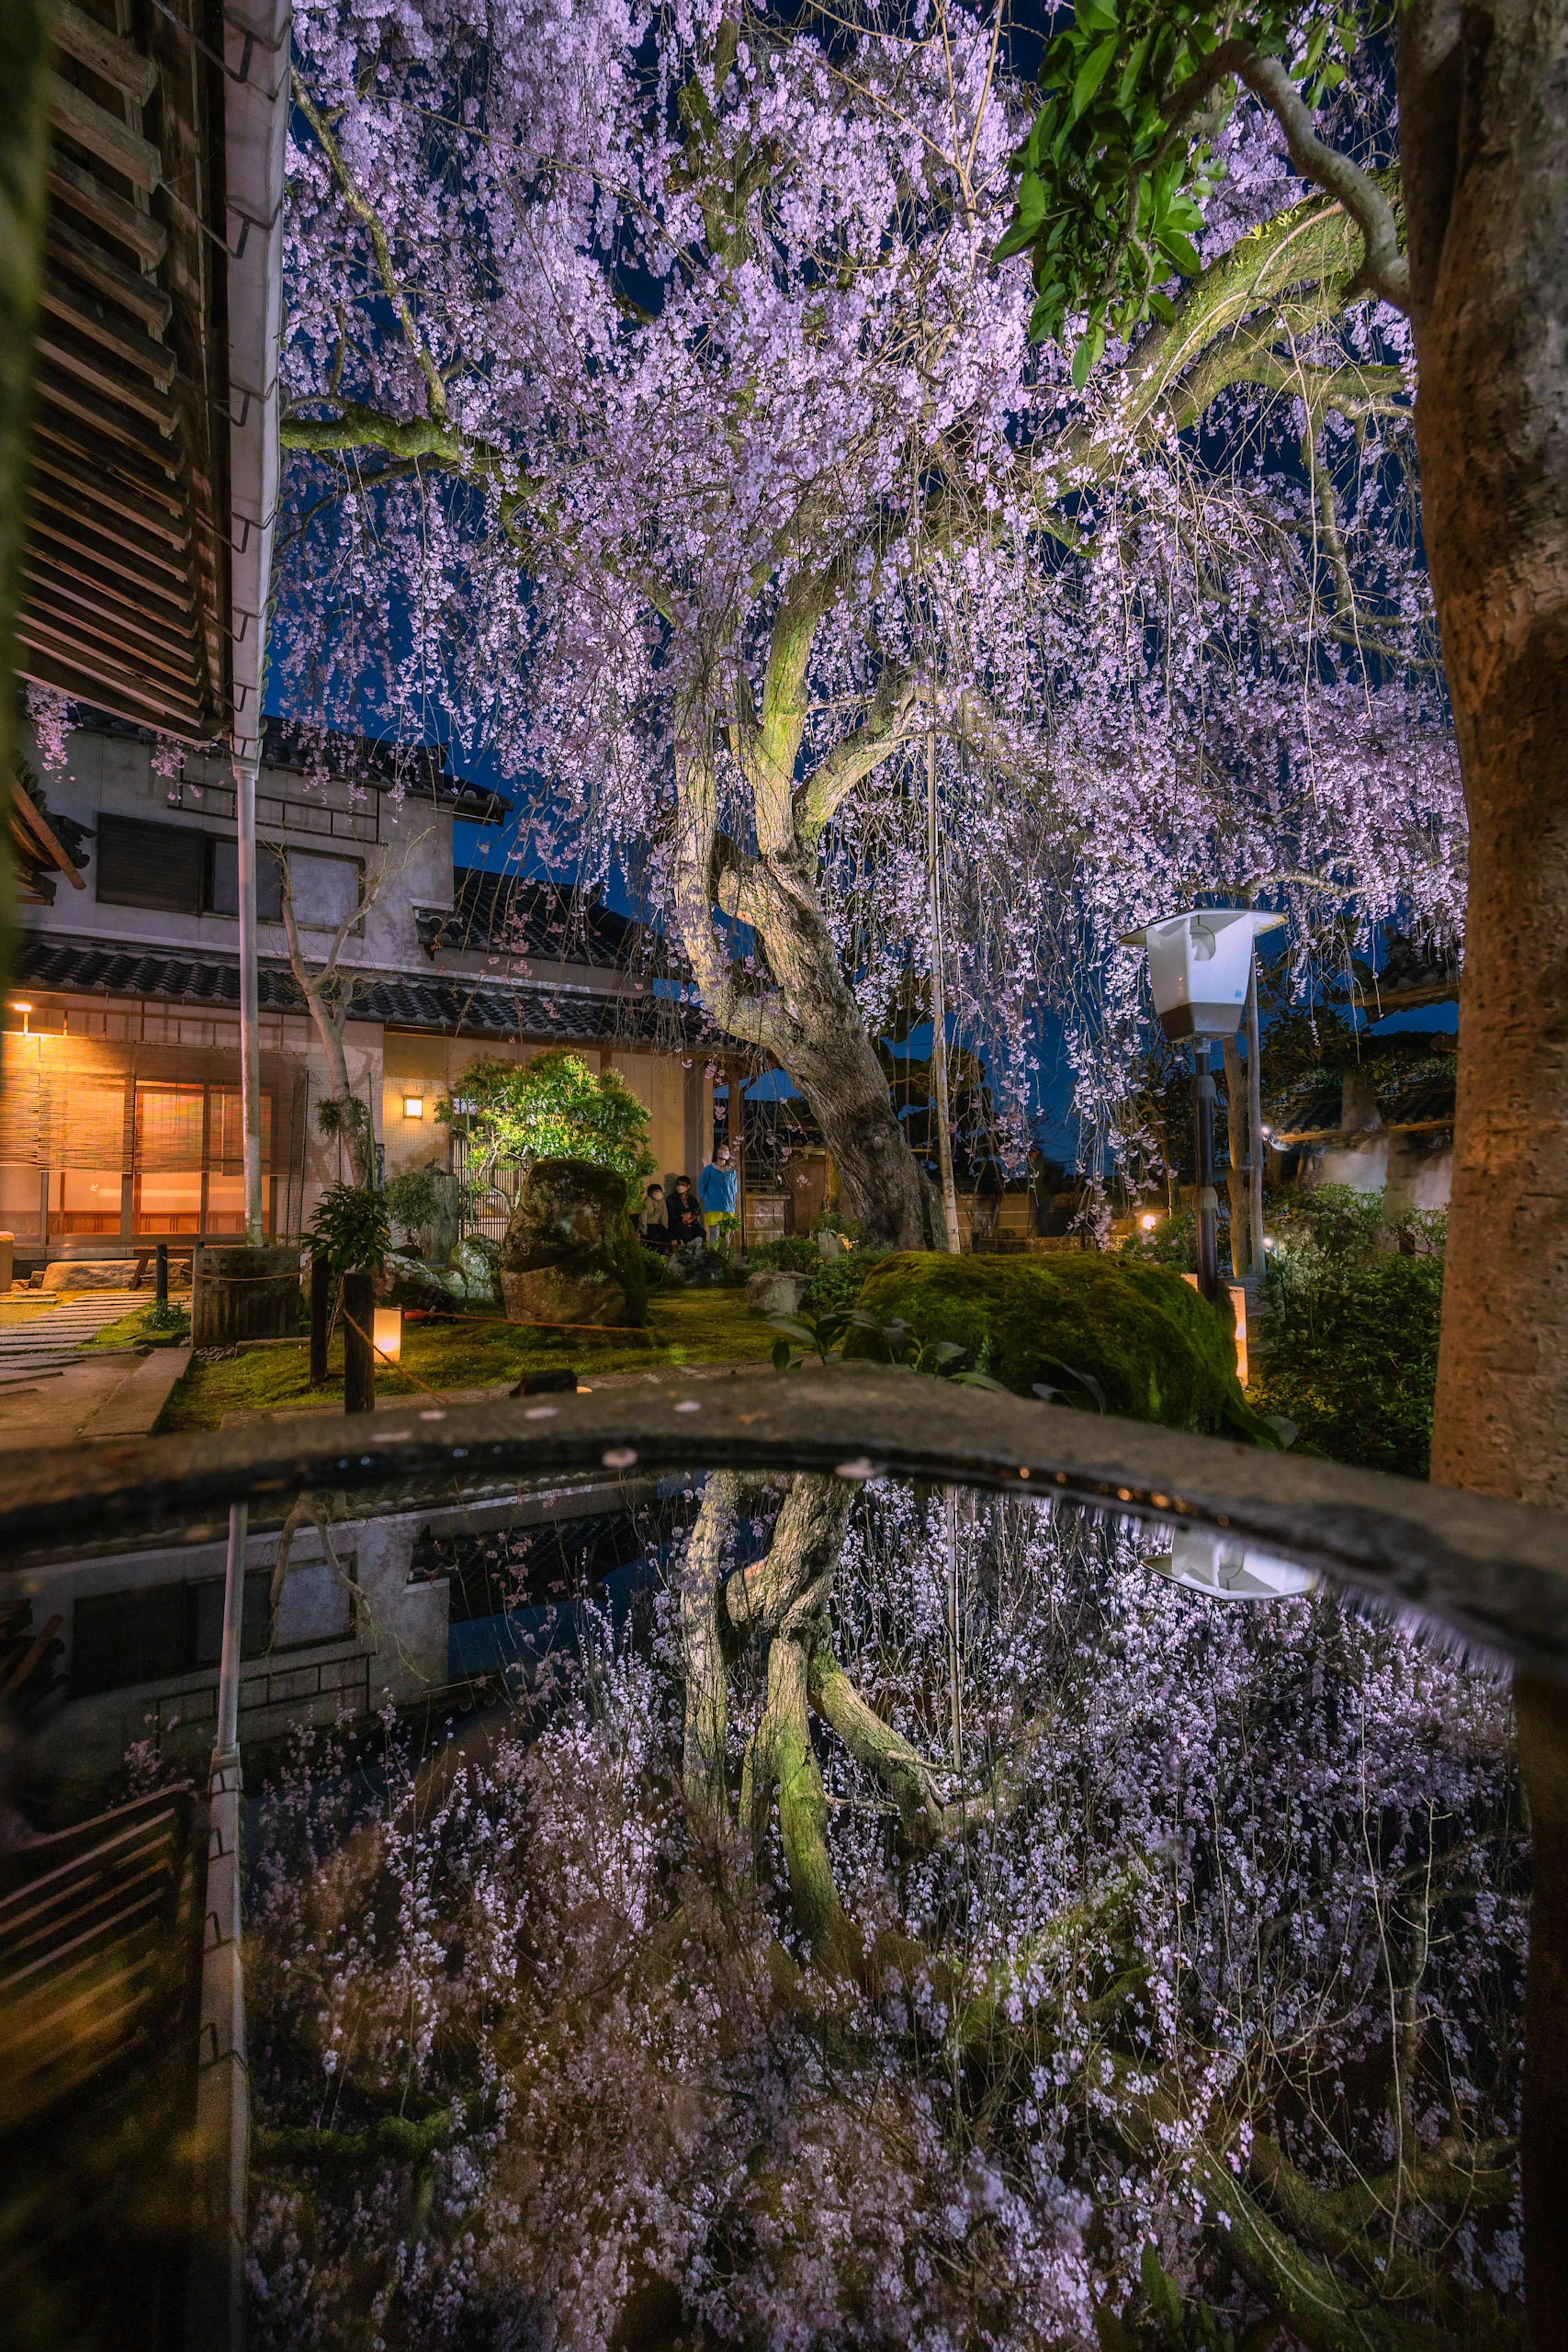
x=359 y=1359
x=738 y=1150
x=320 y=1310
x=160 y=1277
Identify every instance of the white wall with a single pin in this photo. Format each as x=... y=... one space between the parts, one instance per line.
x=409 y=843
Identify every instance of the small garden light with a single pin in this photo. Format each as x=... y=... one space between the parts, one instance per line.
x=1148 y=1220
x=387 y=1333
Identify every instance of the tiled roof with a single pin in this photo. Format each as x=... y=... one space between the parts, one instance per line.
x=410 y=1002
x=529 y=918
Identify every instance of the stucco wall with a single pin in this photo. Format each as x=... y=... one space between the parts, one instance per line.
x=405 y=848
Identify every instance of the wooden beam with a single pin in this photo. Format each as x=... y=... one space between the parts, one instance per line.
x=71 y=184
x=107 y=469
x=25 y=813
x=101 y=322
x=54 y=660
x=142 y=296
x=90 y=636
x=76 y=583
x=1285 y=1139
x=104 y=53
x=68 y=514
x=79 y=118
x=108 y=495
x=82 y=358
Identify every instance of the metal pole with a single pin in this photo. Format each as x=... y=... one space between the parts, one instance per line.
x=245 y=766
x=1203 y=1099
x=1255 y=1117
x=227 y=1738
x=939 y=1010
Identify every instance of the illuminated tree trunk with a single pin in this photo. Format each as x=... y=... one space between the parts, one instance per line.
x=1483 y=100
x=1484 y=138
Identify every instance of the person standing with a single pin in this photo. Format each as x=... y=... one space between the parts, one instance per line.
x=718 y=1188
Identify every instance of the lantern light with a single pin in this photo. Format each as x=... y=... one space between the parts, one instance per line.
x=1199 y=961
x=387 y=1333
x=1148 y=1220
x=413 y=1106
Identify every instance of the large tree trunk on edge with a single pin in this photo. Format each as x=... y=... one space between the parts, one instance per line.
x=1484 y=136
x=1483 y=97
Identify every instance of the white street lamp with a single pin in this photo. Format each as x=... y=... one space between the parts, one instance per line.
x=1200 y=965
x=1226 y=1568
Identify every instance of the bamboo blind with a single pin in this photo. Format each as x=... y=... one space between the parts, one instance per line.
x=105 y=1104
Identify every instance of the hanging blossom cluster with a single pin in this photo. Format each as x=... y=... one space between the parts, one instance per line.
x=532 y=2065
x=651 y=388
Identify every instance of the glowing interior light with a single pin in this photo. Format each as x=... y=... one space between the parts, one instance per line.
x=413 y=1106
x=387 y=1333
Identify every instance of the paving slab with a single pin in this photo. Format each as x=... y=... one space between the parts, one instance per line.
x=131 y=1409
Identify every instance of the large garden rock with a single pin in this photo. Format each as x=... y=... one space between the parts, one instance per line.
x=410 y=1281
x=1157 y=1351
x=478 y=1261
x=775 y=1291
x=571 y=1254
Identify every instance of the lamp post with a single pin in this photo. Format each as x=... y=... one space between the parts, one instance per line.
x=1200 y=973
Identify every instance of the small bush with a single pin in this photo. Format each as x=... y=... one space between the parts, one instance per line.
x=791 y=1255
x=1349 y=1347
x=837 y=1281
x=654 y=1267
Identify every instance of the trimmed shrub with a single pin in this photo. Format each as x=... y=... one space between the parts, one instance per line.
x=1155 y=1349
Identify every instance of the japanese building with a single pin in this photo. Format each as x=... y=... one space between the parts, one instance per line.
x=120 y=1119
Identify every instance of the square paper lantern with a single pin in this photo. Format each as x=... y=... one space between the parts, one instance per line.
x=1198 y=967
x=387 y=1333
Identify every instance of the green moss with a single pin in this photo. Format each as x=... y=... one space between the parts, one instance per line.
x=1158 y=1351
x=693 y=1327
x=142 y=1329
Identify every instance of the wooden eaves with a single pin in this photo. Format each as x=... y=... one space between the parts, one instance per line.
x=128 y=587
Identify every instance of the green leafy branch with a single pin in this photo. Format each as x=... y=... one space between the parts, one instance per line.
x=1113 y=176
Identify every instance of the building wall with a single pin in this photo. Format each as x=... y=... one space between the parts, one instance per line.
x=1392 y=1164
x=382 y=1640
x=404 y=848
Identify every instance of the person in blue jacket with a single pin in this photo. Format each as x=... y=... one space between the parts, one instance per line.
x=717 y=1187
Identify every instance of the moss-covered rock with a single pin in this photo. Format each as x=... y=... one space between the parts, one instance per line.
x=1158 y=1351
x=571 y=1254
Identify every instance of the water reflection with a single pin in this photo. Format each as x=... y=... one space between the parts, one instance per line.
x=820 y=1912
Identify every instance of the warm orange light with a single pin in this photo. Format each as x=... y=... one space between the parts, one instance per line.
x=413 y=1106
x=387 y=1332
x=1148 y=1221
x=17 y=1005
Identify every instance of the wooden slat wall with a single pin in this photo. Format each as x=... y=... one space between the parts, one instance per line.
x=125 y=565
